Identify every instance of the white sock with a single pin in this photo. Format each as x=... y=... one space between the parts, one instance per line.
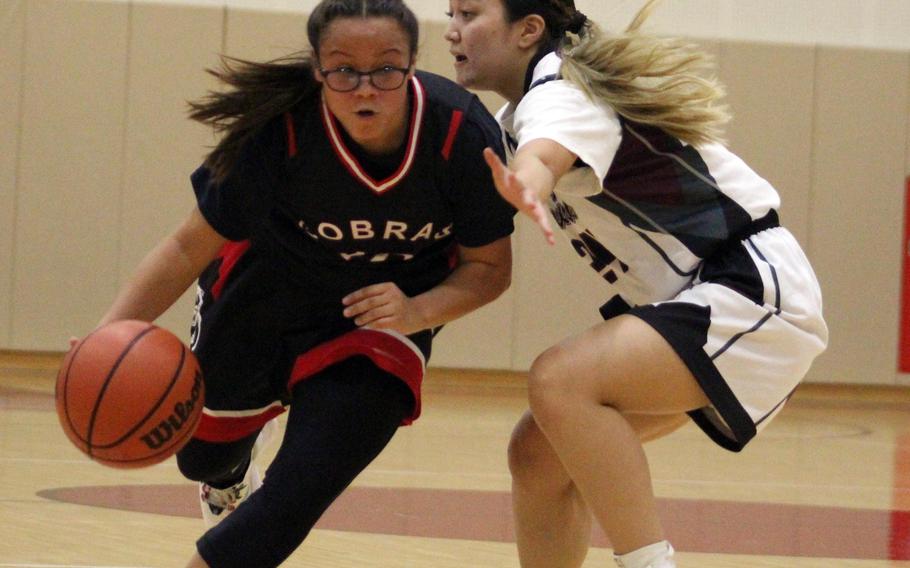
x=657 y=555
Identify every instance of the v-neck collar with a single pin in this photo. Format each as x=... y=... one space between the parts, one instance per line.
x=350 y=160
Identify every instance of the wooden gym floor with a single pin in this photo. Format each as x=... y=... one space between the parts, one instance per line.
x=826 y=485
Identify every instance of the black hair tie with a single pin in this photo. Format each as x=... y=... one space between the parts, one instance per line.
x=576 y=23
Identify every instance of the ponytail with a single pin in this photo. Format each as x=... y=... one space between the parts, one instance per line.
x=661 y=82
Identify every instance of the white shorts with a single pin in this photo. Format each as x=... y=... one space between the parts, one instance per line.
x=748 y=328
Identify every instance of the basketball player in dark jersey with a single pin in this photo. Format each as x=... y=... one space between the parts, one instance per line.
x=344 y=217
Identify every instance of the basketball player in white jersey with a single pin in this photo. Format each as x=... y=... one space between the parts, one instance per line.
x=712 y=311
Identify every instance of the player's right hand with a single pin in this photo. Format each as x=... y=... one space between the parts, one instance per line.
x=515 y=192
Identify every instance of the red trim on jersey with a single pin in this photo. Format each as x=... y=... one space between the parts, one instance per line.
x=351 y=163
x=232 y=428
x=292 y=134
x=454 y=125
x=452 y=258
x=230 y=253
x=385 y=350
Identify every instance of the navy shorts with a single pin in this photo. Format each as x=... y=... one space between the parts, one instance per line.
x=256 y=337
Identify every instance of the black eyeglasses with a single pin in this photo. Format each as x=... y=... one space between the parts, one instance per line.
x=345 y=79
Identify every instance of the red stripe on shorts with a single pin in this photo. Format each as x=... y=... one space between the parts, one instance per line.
x=233 y=428
x=386 y=351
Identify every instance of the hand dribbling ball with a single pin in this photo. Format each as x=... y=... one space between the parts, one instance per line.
x=129 y=394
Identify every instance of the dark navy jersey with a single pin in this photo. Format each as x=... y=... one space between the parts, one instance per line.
x=312 y=218
x=335 y=222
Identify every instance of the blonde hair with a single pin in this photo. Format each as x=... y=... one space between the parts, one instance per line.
x=661 y=82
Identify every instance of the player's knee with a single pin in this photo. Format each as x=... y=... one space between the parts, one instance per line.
x=532 y=461
x=549 y=385
x=194 y=470
x=197 y=465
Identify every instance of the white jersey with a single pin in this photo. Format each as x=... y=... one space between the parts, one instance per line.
x=645 y=209
x=687 y=239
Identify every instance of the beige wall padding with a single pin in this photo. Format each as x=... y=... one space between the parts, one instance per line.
x=12 y=36
x=161 y=145
x=856 y=207
x=68 y=186
x=96 y=150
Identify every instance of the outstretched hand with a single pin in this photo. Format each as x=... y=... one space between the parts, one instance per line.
x=383 y=306
x=515 y=192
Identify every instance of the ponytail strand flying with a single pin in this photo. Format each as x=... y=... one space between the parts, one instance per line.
x=660 y=82
x=257 y=93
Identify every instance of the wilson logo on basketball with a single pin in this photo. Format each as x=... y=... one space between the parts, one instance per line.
x=165 y=430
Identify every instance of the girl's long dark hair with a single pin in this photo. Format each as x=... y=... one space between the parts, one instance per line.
x=258 y=92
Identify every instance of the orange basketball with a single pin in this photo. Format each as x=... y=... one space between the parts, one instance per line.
x=129 y=394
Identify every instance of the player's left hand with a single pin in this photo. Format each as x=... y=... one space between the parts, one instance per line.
x=382 y=306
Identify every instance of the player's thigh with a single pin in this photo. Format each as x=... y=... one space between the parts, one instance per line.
x=650 y=427
x=623 y=363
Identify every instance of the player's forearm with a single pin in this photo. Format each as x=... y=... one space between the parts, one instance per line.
x=167 y=271
x=159 y=281
x=540 y=163
x=534 y=174
x=471 y=285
